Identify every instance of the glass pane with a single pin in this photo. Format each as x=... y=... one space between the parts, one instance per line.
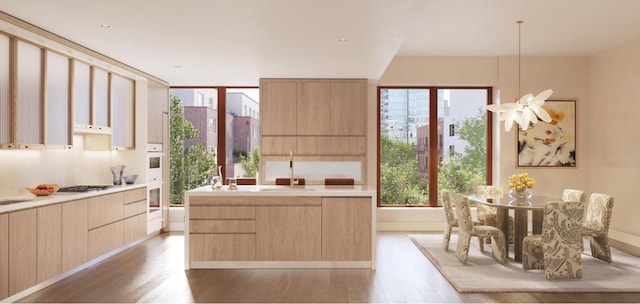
x=243 y=132
x=462 y=139
x=200 y=136
x=29 y=88
x=5 y=93
x=81 y=93
x=122 y=96
x=101 y=95
x=404 y=143
x=57 y=99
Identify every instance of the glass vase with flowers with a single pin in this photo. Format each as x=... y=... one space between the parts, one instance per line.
x=520 y=185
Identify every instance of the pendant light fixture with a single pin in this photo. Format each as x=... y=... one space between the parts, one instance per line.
x=528 y=109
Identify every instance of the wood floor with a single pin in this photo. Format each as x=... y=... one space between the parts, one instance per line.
x=153 y=272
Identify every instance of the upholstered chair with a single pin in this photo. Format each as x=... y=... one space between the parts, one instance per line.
x=557 y=250
x=467 y=230
x=450 y=217
x=486 y=214
x=596 y=225
x=572 y=195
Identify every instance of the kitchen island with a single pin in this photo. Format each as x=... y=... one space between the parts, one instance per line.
x=280 y=227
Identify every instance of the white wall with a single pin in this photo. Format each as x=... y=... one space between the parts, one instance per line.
x=614 y=139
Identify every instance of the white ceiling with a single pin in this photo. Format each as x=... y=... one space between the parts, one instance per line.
x=236 y=42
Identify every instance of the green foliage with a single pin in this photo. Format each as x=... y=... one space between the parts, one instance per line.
x=472 y=130
x=399 y=179
x=179 y=130
x=250 y=164
x=199 y=166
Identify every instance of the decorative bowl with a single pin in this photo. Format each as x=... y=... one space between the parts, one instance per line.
x=130 y=179
x=44 y=189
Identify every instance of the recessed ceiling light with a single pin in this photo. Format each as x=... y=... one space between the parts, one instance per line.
x=343 y=40
x=105 y=25
x=339 y=73
x=177 y=66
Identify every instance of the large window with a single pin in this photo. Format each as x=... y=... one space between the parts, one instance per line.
x=432 y=138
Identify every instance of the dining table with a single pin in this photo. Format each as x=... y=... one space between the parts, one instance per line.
x=521 y=208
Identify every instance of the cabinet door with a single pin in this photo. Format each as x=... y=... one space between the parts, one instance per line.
x=134 y=227
x=81 y=94
x=29 y=90
x=4 y=256
x=101 y=106
x=346 y=229
x=158 y=102
x=278 y=107
x=313 y=108
x=57 y=101
x=348 y=107
x=6 y=127
x=122 y=101
x=49 y=235
x=288 y=233
x=22 y=250
x=74 y=234
x=222 y=247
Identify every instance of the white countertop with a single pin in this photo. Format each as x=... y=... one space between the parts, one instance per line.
x=271 y=190
x=32 y=201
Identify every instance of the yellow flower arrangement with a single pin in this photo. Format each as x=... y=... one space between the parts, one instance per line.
x=521 y=182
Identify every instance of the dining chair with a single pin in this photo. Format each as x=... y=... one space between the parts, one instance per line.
x=467 y=230
x=596 y=225
x=335 y=181
x=573 y=195
x=487 y=215
x=450 y=218
x=557 y=250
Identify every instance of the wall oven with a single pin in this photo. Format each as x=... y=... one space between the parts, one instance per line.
x=154 y=187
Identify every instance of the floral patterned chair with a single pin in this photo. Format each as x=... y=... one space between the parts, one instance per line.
x=467 y=229
x=486 y=214
x=596 y=225
x=557 y=250
x=572 y=195
x=451 y=220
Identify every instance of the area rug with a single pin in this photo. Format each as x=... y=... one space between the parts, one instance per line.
x=483 y=273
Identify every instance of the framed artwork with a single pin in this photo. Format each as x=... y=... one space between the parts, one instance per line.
x=550 y=144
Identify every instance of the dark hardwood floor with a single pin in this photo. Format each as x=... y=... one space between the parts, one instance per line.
x=153 y=272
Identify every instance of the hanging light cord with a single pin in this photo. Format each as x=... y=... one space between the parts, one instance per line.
x=519 y=22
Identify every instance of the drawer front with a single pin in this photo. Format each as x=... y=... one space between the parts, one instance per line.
x=105 y=209
x=135 y=208
x=135 y=195
x=222 y=212
x=222 y=226
x=222 y=247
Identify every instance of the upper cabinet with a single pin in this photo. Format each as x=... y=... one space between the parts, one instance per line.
x=122 y=100
x=313 y=117
x=90 y=99
x=6 y=126
x=158 y=96
x=57 y=101
x=29 y=129
x=100 y=98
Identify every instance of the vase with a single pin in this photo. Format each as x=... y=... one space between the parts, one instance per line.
x=520 y=194
x=117 y=174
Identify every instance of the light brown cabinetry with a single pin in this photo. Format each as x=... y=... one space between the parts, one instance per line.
x=288 y=233
x=313 y=117
x=4 y=256
x=74 y=234
x=158 y=104
x=49 y=246
x=22 y=250
x=105 y=209
x=346 y=229
x=122 y=111
x=105 y=239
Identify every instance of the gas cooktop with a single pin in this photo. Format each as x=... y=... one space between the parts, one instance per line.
x=84 y=188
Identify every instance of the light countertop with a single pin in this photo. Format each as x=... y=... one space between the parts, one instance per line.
x=271 y=190
x=32 y=201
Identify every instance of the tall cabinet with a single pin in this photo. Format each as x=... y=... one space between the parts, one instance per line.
x=158 y=138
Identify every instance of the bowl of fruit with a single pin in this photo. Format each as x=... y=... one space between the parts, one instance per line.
x=44 y=189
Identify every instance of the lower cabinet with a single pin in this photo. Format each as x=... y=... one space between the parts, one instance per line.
x=49 y=246
x=74 y=234
x=4 y=256
x=135 y=227
x=288 y=233
x=346 y=229
x=222 y=247
x=22 y=250
x=105 y=239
